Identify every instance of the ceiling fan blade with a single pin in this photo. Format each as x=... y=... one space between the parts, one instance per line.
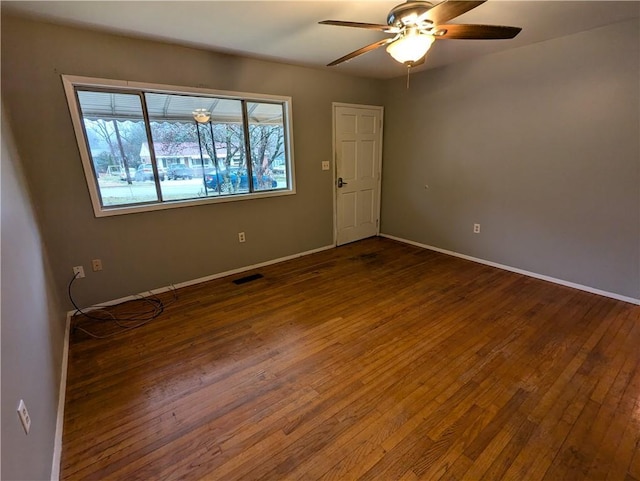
x=360 y=51
x=475 y=32
x=369 y=26
x=445 y=11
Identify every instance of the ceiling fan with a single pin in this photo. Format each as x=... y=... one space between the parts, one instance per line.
x=417 y=24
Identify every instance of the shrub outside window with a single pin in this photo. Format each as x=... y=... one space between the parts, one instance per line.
x=148 y=147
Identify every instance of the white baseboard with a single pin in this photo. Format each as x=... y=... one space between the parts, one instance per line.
x=200 y=280
x=57 y=443
x=518 y=271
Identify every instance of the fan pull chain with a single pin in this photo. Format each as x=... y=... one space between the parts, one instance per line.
x=408 y=74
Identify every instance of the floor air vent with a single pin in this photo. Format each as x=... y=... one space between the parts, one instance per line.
x=244 y=280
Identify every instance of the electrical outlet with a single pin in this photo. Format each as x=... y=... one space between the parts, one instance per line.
x=325 y=165
x=241 y=237
x=476 y=228
x=79 y=271
x=96 y=264
x=23 y=414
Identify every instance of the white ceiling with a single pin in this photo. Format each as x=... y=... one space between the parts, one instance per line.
x=288 y=32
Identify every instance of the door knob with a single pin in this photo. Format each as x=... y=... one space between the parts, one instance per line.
x=341 y=182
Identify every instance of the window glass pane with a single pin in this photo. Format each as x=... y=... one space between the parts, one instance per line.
x=267 y=140
x=150 y=147
x=195 y=165
x=230 y=152
x=115 y=134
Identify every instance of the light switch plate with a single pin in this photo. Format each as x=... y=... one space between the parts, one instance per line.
x=325 y=165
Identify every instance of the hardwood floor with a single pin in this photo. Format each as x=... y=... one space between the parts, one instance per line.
x=373 y=361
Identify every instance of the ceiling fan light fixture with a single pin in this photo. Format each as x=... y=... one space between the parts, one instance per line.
x=411 y=47
x=201 y=116
x=417 y=23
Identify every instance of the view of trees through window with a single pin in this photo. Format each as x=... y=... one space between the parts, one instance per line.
x=152 y=147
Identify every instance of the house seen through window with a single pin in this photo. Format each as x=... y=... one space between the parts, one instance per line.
x=145 y=150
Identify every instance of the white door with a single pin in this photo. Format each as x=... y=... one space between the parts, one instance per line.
x=358 y=155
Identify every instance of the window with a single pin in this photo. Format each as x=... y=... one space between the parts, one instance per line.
x=148 y=147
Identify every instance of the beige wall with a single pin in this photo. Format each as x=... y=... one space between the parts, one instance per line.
x=155 y=249
x=540 y=145
x=32 y=329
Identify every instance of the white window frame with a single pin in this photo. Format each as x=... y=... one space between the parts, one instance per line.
x=70 y=82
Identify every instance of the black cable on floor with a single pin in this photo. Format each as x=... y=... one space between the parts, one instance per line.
x=139 y=320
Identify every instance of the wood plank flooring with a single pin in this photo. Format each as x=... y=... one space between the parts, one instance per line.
x=373 y=361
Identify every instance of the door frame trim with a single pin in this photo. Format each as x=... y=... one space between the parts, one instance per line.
x=334 y=162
